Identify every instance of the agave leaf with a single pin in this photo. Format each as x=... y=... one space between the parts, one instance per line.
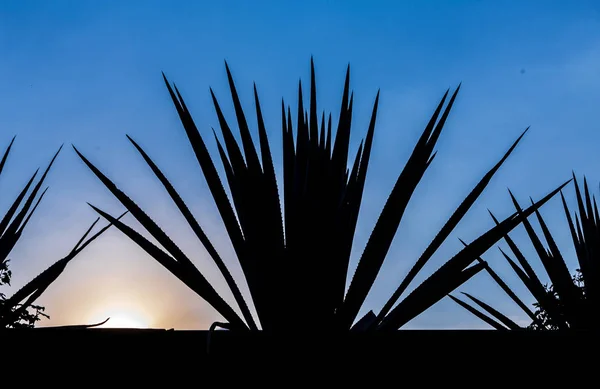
x=546 y=300
x=242 y=193
x=214 y=183
x=425 y=296
x=499 y=316
x=10 y=235
x=313 y=126
x=200 y=234
x=528 y=276
x=385 y=229
x=80 y=241
x=246 y=194
x=271 y=189
x=560 y=275
x=533 y=284
x=328 y=140
x=80 y=246
x=257 y=206
x=150 y=225
x=15 y=205
x=401 y=314
x=581 y=255
x=180 y=265
x=556 y=274
x=341 y=144
x=520 y=257
x=505 y=287
x=364 y=323
x=589 y=236
x=229 y=174
x=588 y=202
x=34 y=288
x=139 y=214
x=354 y=197
x=12 y=228
x=289 y=154
x=445 y=231
x=510 y=293
x=596 y=213
x=587 y=230
x=479 y=314
x=204 y=289
x=323 y=133
x=237 y=159
x=249 y=150
x=195 y=281
x=209 y=170
x=582 y=251
x=17 y=234
x=5 y=155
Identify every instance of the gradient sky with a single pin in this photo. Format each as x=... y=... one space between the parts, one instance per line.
x=88 y=72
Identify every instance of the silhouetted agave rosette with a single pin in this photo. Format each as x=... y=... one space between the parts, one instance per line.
x=295 y=253
x=565 y=305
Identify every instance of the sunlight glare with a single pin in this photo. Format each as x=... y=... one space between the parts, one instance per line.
x=120 y=318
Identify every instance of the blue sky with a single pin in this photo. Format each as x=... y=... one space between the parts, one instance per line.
x=88 y=72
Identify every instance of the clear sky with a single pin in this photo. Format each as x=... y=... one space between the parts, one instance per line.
x=88 y=72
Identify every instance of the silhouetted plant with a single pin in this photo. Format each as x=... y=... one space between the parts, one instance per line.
x=295 y=260
x=570 y=301
x=30 y=315
x=18 y=310
x=544 y=320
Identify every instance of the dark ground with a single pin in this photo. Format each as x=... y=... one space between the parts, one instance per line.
x=465 y=350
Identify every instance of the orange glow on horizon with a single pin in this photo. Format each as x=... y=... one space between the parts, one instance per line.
x=121 y=316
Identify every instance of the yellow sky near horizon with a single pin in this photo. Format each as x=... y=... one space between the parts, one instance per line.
x=131 y=298
x=113 y=277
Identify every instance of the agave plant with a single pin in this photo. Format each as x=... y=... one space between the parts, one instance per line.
x=295 y=252
x=571 y=301
x=15 y=308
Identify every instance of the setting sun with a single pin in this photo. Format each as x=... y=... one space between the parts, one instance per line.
x=121 y=318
